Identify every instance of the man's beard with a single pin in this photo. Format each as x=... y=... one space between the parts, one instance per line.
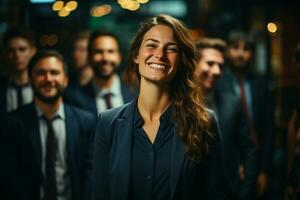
x=239 y=64
x=102 y=75
x=48 y=100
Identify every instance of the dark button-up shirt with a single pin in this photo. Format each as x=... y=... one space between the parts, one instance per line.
x=150 y=175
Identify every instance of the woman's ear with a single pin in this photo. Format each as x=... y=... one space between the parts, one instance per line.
x=135 y=60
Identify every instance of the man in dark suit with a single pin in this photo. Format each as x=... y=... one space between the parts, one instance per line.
x=237 y=147
x=15 y=90
x=47 y=143
x=255 y=98
x=106 y=90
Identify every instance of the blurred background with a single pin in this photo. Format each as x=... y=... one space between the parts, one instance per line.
x=275 y=24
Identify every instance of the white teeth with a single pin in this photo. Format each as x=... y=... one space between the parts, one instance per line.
x=157 y=66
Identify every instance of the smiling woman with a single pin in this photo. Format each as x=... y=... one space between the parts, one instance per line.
x=164 y=144
x=158 y=55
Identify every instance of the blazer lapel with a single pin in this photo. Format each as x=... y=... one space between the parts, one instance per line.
x=124 y=129
x=127 y=93
x=34 y=132
x=71 y=132
x=177 y=159
x=3 y=100
x=253 y=98
x=89 y=99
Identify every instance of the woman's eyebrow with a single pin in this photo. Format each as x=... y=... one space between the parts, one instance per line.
x=154 y=40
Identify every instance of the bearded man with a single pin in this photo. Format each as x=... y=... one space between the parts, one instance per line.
x=106 y=90
x=47 y=143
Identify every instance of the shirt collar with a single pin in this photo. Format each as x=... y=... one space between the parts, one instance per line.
x=115 y=88
x=60 y=112
x=138 y=121
x=165 y=118
x=11 y=83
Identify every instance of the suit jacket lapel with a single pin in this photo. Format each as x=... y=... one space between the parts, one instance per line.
x=253 y=98
x=127 y=94
x=177 y=159
x=71 y=132
x=89 y=99
x=34 y=132
x=228 y=83
x=124 y=130
x=3 y=100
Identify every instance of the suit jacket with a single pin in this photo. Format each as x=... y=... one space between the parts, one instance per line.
x=112 y=161
x=262 y=114
x=84 y=97
x=21 y=169
x=3 y=103
x=237 y=146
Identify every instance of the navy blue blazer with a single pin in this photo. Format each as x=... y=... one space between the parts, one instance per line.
x=237 y=147
x=21 y=169
x=3 y=89
x=112 y=161
x=262 y=117
x=84 y=97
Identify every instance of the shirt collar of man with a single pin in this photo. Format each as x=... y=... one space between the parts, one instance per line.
x=12 y=84
x=114 y=90
x=59 y=114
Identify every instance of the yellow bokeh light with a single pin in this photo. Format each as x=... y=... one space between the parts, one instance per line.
x=100 y=11
x=126 y=4
x=63 y=12
x=71 y=5
x=122 y=2
x=272 y=27
x=107 y=9
x=130 y=5
x=134 y=5
x=58 y=5
x=142 y=1
x=93 y=12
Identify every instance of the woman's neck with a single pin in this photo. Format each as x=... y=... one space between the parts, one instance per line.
x=153 y=101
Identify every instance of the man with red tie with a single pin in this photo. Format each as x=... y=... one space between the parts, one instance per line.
x=236 y=146
x=256 y=101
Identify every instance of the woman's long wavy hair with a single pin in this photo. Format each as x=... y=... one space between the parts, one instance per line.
x=190 y=115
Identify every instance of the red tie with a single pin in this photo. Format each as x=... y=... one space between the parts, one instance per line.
x=247 y=114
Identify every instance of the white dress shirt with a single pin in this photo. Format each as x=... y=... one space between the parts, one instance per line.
x=116 y=95
x=11 y=97
x=61 y=165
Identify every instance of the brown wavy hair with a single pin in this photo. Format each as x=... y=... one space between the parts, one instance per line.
x=190 y=115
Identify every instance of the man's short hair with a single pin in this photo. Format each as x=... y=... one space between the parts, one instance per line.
x=237 y=36
x=213 y=43
x=81 y=35
x=23 y=33
x=100 y=33
x=45 y=54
